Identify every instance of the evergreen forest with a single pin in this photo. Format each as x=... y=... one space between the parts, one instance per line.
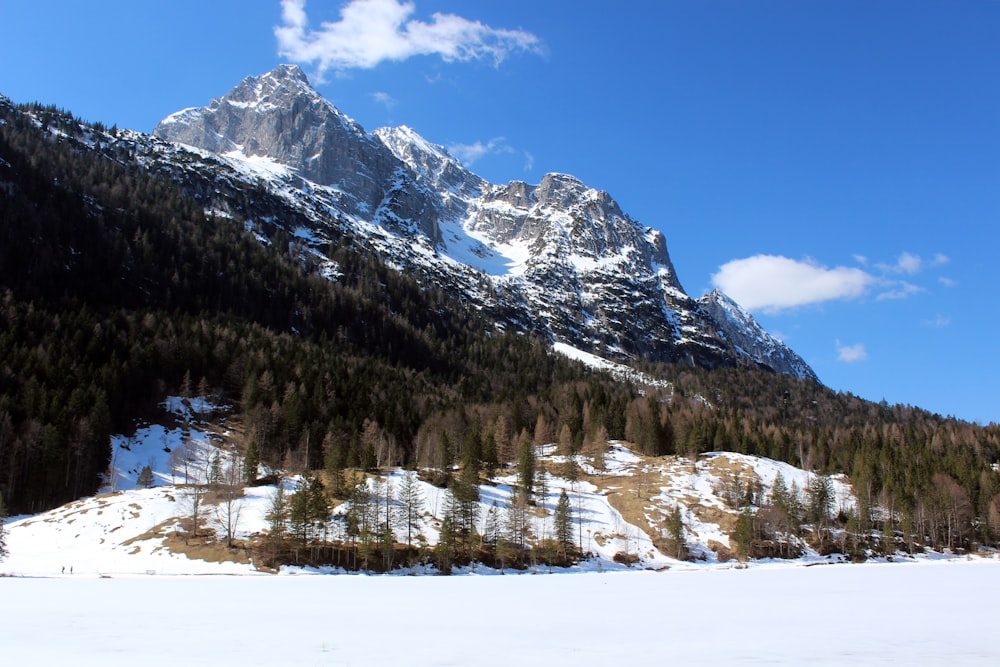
x=117 y=290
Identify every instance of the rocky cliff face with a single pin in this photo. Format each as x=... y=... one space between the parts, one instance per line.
x=559 y=257
x=278 y=115
x=740 y=329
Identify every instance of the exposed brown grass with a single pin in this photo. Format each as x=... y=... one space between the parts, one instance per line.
x=635 y=496
x=202 y=546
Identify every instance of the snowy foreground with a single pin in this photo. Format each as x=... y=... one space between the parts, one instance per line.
x=927 y=613
x=98 y=582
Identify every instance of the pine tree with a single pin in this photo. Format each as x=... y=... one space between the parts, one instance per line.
x=563 y=521
x=277 y=515
x=674 y=527
x=318 y=507
x=298 y=512
x=820 y=499
x=541 y=483
x=516 y=525
x=444 y=454
x=465 y=504
x=145 y=478
x=743 y=534
x=362 y=520
x=251 y=462
x=215 y=471
x=410 y=505
x=444 y=551
x=526 y=469
x=779 y=492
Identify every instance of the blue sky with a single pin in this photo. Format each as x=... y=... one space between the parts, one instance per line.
x=834 y=166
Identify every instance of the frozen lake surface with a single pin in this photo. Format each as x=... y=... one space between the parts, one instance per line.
x=925 y=613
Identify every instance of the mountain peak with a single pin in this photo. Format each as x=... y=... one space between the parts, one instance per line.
x=288 y=71
x=741 y=329
x=435 y=168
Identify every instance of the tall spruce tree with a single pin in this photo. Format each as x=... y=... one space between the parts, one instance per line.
x=743 y=533
x=563 y=520
x=674 y=527
x=465 y=492
x=410 y=506
x=251 y=462
x=277 y=515
x=526 y=469
x=820 y=504
x=444 y=551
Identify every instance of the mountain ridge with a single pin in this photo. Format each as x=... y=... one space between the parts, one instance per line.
x=558 y=256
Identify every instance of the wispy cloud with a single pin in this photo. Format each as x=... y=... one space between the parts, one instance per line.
x=911 y=264
x=938 y=322
x=370 y=32
x=947 y=282
x=467 y=154
x=385 y=99
x=529 y=161
x=773 y=283
x=900 y=290
x=850 y=354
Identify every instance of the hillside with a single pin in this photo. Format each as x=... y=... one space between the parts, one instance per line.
x=125 y=279
x=619 y=502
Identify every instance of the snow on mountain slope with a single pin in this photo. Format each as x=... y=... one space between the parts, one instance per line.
x=740 y=328
x=559 y=258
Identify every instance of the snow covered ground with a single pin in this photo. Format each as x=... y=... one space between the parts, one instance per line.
x=125 y=530
x=927 y=613
x=95 y=582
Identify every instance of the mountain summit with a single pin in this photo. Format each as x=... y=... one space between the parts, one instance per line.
x=558 y=257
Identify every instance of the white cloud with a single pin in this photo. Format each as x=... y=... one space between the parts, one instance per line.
x=908 y=263
x=469 y=153
x=851 y=353
x=773 y=283
x=385 y=99
x=372 y=31
x=947 y=282
x=940 y=259
x=529 y=161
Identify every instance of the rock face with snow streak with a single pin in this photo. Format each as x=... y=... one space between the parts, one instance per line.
x=558 y=257
x=739 y=328
x=279 y=115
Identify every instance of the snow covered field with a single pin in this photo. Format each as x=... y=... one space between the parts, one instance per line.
x=927 y=613
x=131 y=600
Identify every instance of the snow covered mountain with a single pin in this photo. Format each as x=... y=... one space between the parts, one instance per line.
x=739 y=327
x=559 y=258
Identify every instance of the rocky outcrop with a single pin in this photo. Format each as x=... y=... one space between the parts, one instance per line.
x=740 y=329
x=279 y=115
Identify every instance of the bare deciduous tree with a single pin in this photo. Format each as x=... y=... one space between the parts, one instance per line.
x=229 y=496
